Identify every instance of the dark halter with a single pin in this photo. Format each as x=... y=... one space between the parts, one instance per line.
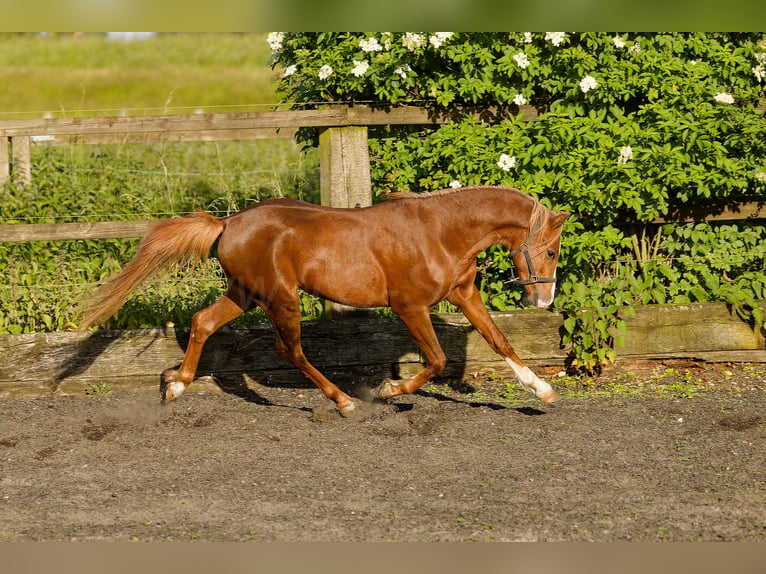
x=524 y=249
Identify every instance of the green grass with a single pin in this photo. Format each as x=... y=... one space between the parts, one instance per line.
x=91 y=75
x=672 y=383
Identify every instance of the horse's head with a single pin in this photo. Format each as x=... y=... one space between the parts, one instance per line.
x=536 y=258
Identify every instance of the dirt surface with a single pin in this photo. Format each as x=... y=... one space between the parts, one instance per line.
x=452 y=463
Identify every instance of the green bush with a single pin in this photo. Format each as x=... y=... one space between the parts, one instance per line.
x=629 y=126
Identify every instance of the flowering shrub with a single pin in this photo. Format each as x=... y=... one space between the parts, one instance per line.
x=629 y=126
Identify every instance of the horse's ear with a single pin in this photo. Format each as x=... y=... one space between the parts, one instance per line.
x=559 y=219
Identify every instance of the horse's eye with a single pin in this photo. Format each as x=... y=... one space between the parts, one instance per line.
x=551 y=254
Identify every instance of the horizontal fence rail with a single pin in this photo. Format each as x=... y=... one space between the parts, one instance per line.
x=68 y=231
x=129 y=229
x=331 y=117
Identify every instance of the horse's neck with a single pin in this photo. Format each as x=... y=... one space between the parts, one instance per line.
x=490 y=218
x=488 y=211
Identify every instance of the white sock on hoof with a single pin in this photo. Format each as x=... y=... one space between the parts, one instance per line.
x=348 y=408
x=530 y=381
x=174 y=390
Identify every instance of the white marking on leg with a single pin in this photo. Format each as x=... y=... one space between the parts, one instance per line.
x=348 y=409
x=174 y=390
x=532 y=382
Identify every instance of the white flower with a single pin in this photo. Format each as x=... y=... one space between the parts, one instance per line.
x=439 y=38
x=521 y=60
x=588 y=83
x=402 y=71
x=724 y=98
x=760 y=57
x=760 y=175
x=360 y=68
x=455 y=184
x=290 y=70
x=413 y=41
x=555 y=38
x=626 y=154
x=634 y=48
x=759 y=72
x=370 y=45
x=618 y=42
x=519 y=99
x=275 y=40
x=526 y=37
x=506 y=162
x=387 y=37
x=325 y=72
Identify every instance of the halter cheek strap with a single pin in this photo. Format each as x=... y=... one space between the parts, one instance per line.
x=533 y=277
x=524 y=249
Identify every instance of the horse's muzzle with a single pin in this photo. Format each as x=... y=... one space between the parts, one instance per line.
x=540 y=300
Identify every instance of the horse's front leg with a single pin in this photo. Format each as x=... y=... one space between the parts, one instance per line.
x=469 y=301
x=418 y=321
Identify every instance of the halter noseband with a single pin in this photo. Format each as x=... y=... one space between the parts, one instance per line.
x=524 y=249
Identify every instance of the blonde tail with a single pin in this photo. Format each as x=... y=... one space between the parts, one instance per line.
x=166 y=243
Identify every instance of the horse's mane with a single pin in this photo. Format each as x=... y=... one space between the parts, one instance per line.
x=448 y=191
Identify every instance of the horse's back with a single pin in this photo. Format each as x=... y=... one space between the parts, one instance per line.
x=326 y=251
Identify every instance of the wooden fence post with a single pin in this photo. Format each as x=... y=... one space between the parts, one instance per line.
x=5 y=160
x=22 y=160
x=344 y=167
x=344 y=181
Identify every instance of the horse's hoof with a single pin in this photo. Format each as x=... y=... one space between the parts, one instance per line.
x=549 y=397
x=385 y=390
x=348 y=409
x=174 y=390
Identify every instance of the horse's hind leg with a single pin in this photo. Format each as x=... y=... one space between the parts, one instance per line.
x=286 y=319
x=204 y=323
x=418 y=321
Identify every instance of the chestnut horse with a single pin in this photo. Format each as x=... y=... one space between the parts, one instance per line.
x=407 y=253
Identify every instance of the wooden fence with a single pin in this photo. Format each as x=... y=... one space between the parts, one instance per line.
x=344 y=157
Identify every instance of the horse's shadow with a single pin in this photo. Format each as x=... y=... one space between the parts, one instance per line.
x=359 y=380
x=244 y=363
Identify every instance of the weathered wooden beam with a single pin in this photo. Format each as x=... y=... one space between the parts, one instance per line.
x=64 y=231
x=751 y=210
x=728 y=212
x=165 y=137
x=326 y=117
x=353 y=350
x=700 y=327
x=172 y=122
x=344 y=167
